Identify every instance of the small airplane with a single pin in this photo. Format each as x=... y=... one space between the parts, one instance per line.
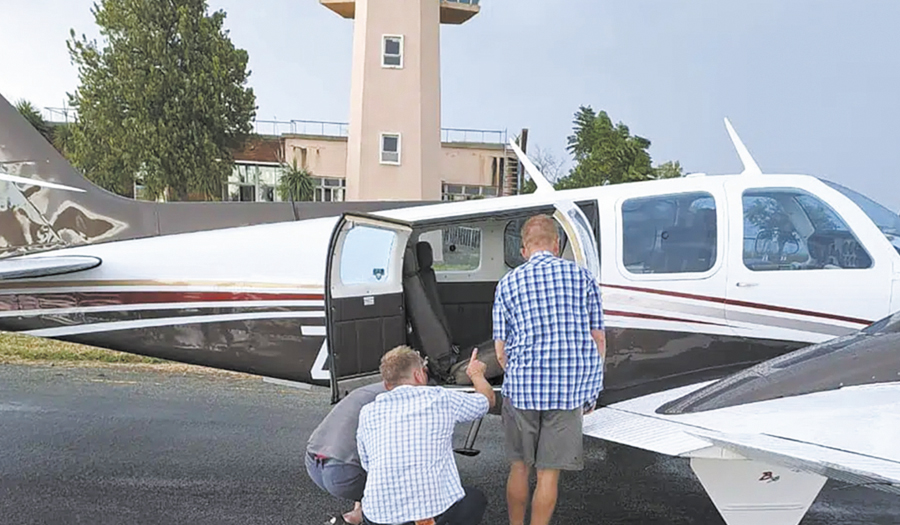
x=702 y=276
x=763 y=441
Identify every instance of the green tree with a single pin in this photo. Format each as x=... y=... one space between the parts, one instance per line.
x=163 y=96
x=668 y=170
x=605 y=153
x=33 y=116
x=296 y=183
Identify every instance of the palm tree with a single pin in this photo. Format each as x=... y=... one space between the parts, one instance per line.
x=296 y=183
x=33 y=116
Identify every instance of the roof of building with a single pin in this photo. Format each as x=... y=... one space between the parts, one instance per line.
x=260 y=148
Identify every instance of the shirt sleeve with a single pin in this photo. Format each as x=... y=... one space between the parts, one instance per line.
x=499 y=312
x=361 y=440
x=595 y=304
x=468 y=407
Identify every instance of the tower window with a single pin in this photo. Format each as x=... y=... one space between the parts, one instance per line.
x=390 y=148
x=392 y=52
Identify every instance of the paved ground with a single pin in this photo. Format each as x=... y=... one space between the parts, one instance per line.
x=115 y=446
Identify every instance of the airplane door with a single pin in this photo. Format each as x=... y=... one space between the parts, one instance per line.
x=805 y=264
x=364 y=311
x=579 y=233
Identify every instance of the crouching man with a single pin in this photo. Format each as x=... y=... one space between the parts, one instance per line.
x=405 y=444
x=332 y=460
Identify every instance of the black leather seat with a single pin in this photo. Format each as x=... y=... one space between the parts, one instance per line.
x=431 y=333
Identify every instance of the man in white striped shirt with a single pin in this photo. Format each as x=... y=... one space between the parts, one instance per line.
x=405 y=444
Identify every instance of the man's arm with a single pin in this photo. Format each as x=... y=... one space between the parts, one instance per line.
x=361 y=444
x=600 y=338
x=500 y=350
x=500 y=325
x=475 y=371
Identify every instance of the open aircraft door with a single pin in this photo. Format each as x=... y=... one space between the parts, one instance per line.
x=364 y=308
x=579 y=233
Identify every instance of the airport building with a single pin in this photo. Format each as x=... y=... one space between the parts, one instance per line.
x=473 y=163
x=394 y=147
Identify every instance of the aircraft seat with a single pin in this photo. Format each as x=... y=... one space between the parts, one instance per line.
x=429 y=334
x=431 y=331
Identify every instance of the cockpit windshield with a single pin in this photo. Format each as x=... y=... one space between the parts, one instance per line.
x=886 y=220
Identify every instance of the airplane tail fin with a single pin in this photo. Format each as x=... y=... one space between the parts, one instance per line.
x=45 y=203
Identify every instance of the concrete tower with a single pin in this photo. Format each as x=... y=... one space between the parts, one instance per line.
x=394 y=143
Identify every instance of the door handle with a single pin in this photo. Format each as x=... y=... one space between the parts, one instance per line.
x=746 y=285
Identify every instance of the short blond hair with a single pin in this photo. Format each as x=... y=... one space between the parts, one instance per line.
x=540 y=231
x=399 y=364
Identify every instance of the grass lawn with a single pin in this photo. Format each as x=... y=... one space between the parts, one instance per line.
x=26 y=349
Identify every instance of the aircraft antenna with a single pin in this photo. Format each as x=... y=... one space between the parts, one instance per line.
x=750 y=166
x=543 y=185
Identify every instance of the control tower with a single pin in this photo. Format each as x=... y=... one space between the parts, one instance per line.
x=394 y=140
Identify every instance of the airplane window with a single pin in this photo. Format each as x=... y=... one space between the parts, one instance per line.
x=669 y=233
x=455 y=248
x=512 y=242
x=793 y=230
x=366 y=255
x=886 y=220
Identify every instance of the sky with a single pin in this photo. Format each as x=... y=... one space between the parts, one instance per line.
x=811 y=86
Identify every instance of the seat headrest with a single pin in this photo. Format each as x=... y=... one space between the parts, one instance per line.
x=424 y=255
x=410 y=267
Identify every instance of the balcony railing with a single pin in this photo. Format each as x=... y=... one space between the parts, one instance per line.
x=468 y=2
x=321 y=128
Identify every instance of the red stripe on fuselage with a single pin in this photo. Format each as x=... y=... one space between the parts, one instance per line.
x=637 y=315
x=746 y=304
x=28 y=301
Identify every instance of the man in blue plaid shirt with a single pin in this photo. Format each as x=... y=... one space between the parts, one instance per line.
x=548 y=334
x=405 y=444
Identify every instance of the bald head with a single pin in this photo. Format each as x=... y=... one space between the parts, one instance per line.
x=539 y=233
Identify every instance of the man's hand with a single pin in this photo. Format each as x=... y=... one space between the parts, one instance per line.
x=475 y=371
x=476 y=368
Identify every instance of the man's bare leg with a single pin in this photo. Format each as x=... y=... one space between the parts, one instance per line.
x=354 y=517
x=544 y=501
x=517 y=492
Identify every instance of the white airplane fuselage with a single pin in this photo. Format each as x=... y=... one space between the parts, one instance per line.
x=689 y=293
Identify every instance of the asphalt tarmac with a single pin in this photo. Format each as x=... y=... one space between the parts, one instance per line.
x=117 y=446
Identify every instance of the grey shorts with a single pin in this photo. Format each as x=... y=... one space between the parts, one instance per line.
x=550 y=439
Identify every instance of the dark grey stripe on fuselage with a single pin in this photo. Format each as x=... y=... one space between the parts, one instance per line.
x=267 y=347
x=639 y=361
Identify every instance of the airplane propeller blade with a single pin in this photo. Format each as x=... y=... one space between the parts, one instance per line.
x=543 y=185
x=750 y=166
x=22 y=180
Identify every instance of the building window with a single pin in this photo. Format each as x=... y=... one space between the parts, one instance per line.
x=390 y=148
x=459 y=192
x=392 y=52
x=328 y=189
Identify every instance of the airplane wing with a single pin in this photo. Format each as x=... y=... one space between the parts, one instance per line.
x=37 y=266
x=766 y=461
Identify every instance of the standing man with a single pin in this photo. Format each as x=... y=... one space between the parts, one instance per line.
x=405 y=444
x=548 y=334
x=332 y=460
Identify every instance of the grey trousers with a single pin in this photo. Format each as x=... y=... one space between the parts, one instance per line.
x=342 y=480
